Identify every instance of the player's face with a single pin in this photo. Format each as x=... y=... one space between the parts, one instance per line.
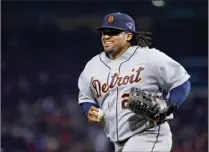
x=113 y=40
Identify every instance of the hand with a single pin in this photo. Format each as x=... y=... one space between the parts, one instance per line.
x=92 y=114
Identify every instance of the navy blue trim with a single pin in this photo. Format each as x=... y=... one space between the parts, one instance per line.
x=119 y=70
x=156 y=139
x=128 y=58
x=103 y=62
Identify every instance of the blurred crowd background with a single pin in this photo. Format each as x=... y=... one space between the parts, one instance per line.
x=45 y=46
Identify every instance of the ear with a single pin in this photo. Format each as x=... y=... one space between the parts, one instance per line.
x=129 y=36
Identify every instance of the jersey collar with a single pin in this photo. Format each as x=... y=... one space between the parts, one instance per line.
x=125 y=56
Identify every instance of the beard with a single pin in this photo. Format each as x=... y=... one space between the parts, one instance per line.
x=110 y=53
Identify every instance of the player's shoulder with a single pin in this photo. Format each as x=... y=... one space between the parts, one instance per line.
x=154 y=53
x=88 y=68
x=92 y=62
x=151 y=51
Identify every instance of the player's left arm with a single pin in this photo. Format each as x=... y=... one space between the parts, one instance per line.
x=178 y=95
x=174 y=79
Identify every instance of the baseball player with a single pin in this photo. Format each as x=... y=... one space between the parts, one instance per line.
x=128 y=62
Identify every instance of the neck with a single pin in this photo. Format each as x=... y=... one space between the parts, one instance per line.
x=118 y=53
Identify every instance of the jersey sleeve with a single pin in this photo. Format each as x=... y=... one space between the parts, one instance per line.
x=170 y=73
x=84 y=86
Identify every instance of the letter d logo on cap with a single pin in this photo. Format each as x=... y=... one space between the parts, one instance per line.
x=110 y=19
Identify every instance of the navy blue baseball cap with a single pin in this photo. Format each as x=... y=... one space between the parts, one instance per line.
x=119 y=21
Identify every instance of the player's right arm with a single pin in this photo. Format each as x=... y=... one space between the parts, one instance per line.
x=86 y=100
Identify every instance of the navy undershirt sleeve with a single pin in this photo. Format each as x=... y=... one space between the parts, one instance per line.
x=86 y=106
x=179 y=94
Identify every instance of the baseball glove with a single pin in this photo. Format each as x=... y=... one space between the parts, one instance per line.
x=147 y=105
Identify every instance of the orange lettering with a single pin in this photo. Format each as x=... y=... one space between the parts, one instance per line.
x=110 y=19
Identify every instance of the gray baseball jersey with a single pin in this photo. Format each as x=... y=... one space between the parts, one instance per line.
x=108 y=82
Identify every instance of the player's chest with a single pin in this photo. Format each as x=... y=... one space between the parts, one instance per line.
x=120 y=76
